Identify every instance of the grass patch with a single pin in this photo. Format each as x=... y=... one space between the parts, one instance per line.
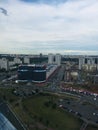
x=6 y=94
x=40 y=112
x=43 y=109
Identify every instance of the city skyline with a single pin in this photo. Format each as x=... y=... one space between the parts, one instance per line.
x=42 y=26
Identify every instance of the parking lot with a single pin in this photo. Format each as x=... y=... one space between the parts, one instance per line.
x=86 y=107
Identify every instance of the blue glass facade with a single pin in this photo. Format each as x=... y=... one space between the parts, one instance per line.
x=5 y=124
x=36 y=73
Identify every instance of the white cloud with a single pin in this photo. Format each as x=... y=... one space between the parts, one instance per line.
x=75 y=21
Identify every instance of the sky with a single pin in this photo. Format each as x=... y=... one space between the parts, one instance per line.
x=49 y=26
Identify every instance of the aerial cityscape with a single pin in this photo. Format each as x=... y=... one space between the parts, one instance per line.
x=48 y=65
x=40 y=92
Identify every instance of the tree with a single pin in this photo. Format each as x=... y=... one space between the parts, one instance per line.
x=47 y=122
x=54 y=106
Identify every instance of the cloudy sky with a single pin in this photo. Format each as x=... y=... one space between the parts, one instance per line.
x=44 y=26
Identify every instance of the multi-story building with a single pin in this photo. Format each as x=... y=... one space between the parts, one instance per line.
x=34 y=73
x=54 y=59
x=26 y=60
x=88 y=63
x=17 y=60
x=4 y=64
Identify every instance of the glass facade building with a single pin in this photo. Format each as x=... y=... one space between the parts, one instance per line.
x=35 y=73
x=5 y=124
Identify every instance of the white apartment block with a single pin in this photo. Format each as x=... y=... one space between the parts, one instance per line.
x=50 y=58
x=17 y=60
x=89 y=65
x=26 y=60
x=4 y=64
x=54 y=59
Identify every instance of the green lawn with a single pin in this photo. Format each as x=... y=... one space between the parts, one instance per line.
x=41 y=113
x=7 y=95
x=42 y=109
